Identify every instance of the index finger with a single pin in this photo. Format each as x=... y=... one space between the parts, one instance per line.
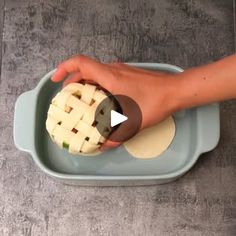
x=88 y=68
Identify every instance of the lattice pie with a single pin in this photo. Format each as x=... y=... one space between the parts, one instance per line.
x=72 y=122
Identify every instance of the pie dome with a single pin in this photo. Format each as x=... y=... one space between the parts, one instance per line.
x=72 y=119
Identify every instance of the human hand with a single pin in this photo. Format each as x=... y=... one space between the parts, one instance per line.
x=152 y=91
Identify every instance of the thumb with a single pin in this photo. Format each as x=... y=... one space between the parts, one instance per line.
x=109 y=144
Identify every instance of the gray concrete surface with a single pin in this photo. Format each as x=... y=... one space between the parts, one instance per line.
x=39 y=34
x=1 y=28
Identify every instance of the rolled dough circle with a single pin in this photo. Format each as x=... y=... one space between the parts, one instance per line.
x=152 y=141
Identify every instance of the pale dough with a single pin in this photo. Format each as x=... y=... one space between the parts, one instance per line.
x=72 y=120
x=153 y=141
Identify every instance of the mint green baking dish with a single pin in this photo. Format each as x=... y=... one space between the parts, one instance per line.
x=197 y=131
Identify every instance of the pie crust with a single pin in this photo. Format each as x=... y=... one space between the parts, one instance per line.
x=72 y=119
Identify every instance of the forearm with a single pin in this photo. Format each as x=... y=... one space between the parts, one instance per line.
x=206 y=84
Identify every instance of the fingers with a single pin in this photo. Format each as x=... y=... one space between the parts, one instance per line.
x=109 y=144
x=76 y=77
x=130 y=69
x=65 y=68
x=88 y=68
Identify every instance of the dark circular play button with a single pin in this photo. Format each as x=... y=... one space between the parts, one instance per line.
x=118 y=118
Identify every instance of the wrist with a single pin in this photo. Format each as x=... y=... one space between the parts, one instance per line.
x=190 y=86
x=164 y=100
x=175 y=92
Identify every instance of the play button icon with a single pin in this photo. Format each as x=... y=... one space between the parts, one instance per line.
x=117 y=118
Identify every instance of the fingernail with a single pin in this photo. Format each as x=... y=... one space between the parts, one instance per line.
x=53 y=78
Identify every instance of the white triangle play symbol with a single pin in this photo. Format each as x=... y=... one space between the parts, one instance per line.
x=117 y=118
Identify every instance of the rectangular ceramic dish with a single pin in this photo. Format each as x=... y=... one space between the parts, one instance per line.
x=197 y=131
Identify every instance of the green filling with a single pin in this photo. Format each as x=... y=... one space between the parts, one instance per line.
x=65 y=145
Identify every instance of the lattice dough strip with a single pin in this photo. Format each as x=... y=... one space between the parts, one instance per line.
x=75 y=103
x=73 y=118
x=61 y=135
x=74 y=88
x=89 y=115
x=89 y=147
x=51 y=124
x=84 y=128
x=76 y=143
x=95 y=137
x=60 y=100
x=99 y=96
x=57 y=114
x=87 y=93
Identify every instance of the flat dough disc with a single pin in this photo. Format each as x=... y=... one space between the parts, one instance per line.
x=151 y=142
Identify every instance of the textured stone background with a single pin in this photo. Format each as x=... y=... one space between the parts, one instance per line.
x=36 y=35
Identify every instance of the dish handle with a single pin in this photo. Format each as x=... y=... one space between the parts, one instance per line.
x=209 y=127
x=24 y=121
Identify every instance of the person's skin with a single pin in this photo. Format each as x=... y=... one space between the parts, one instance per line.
x=158 y=94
